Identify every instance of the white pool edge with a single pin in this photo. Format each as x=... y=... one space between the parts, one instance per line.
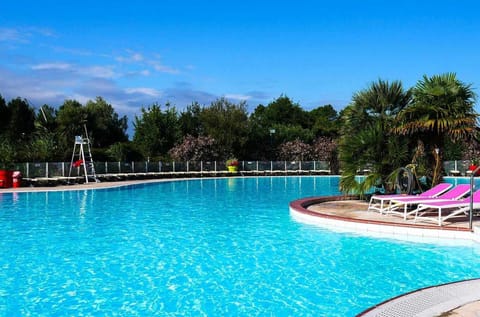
x=404 y=233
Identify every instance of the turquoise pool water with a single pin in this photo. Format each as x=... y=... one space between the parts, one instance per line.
x=211 y=247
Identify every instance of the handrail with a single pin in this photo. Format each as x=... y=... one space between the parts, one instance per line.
x=470 y=221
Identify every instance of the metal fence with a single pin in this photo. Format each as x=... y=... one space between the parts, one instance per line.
x=62 y=169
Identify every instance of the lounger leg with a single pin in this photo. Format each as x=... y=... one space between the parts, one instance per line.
x=440 y=217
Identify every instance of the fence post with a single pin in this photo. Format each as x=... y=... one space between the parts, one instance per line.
x=257 y=166
x=28 y=170
x=133 y=167
x=46 y=169
x=188 y=166
x=119 y=167
x=173 y=166
x=271 y=166
x=106 y=168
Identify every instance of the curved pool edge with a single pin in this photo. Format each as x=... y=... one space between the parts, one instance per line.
x=430 y=301
x=379 y=228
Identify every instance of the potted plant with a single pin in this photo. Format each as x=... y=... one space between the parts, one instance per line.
x=232 y=165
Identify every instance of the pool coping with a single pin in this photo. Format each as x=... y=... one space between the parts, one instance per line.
x=429 y=301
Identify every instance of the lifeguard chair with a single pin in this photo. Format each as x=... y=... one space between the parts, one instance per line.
x=82 y=161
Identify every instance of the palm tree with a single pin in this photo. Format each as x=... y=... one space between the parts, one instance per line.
x=366 y=139
x=442 y=107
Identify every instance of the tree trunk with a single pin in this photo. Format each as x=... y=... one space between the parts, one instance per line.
x=437 y=170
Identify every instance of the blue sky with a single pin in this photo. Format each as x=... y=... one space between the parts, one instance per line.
x=136 y=53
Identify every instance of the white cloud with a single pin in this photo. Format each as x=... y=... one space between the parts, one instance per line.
x=238 y=97
x=98 y=71
x=132 y=58
x=23 y=35
x=162 y=68
x=145 y=91
x=140 y=59
x=145 y=72
x=52 y=66
x=90 y=71
x=7 y=34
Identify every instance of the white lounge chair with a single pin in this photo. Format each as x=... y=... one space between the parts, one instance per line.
x=453 y=194
x=456 y=208
x=378 y=202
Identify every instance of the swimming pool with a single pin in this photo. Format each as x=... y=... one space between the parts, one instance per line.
x=202 y=247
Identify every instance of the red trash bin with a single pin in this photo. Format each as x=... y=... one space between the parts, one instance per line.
x=16 y=179
x=6 y=178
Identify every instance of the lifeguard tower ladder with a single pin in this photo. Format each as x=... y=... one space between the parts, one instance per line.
x=80 y=160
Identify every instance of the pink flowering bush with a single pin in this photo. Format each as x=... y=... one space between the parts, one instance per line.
x=295 y=151
x=202 y=148
x=323 y=148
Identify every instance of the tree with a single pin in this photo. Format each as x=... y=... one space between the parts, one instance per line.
x=71 y=116
x=282 y=111
x=442 y=107
x=18 y=130
x=325 y=121
x=46 y=120
x=104 y=125
x=289 y=121
x=366 y=139
x=156 y=131
x=123 y=152
x=190 y=122
x=21 y=123
x=227 y=123
x=4 y=115
x=42 y=148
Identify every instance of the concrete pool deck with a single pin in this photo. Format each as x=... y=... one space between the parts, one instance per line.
x=350 y=214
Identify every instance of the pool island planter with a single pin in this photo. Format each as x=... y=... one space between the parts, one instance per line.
x=378 y=228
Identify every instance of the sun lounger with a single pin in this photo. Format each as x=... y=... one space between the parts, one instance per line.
x=456 y=208
x=378 y=202
x=453 y=194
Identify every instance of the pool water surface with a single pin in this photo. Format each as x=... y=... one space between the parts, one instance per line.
x=208 y=247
